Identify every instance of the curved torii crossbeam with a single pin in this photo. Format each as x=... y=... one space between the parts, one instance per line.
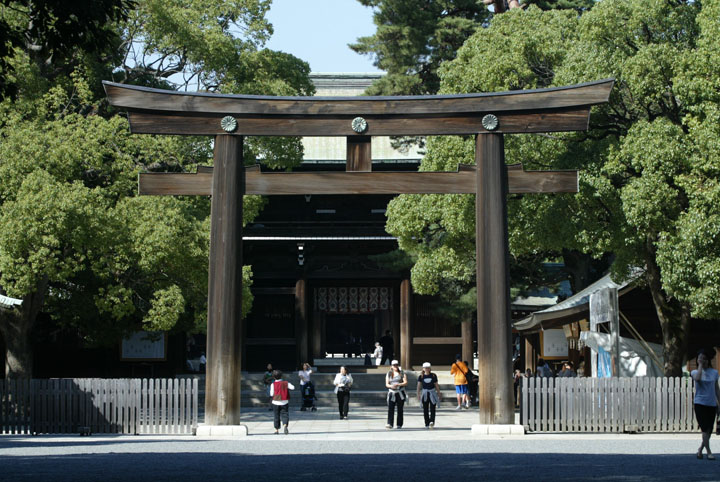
x=230 y=117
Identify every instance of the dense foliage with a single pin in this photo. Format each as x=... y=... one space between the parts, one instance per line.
x=649 y=164
x=75 y=240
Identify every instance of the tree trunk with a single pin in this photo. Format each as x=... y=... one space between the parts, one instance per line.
x=18 y=354
x=16 y=327
x=674 y=318
x=578 y=266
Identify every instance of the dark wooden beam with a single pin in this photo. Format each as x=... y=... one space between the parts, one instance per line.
x=224 y=328
x=301 y=322
x=511 y=122
x=133 y=98
x=316 y=343
x=405 y=325
x=281 y=183
x=437 y=340
x=359 y=154
x=493 y=282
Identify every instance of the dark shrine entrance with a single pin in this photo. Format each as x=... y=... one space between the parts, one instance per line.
x=349 y=335
x=352 y=318
x=229 y=118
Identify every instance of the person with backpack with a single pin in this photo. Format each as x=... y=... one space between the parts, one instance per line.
x=460 y=371
x=280 y=394
x=428 y=391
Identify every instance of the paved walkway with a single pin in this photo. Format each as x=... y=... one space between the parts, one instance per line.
x=323 y=448
x=363 y=424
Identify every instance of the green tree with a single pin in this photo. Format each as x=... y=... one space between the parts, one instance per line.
x=414 y=38
x=50 y=32
x=75 y=240
x=648 y=164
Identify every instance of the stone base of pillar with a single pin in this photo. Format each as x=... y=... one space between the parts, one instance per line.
x=498 y=429
x=221 y=430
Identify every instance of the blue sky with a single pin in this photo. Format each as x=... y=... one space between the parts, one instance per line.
x=318 y=32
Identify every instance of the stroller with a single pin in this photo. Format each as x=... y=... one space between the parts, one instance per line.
x=308 y=397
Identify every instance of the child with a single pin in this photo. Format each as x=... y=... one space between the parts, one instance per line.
x=280 y=394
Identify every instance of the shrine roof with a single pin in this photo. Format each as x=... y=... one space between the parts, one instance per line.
x=573 y=308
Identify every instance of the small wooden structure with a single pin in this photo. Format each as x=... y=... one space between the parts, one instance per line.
x=231 y=117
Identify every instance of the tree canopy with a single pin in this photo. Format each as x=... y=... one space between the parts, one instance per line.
x=649 y=163
x=75 y=240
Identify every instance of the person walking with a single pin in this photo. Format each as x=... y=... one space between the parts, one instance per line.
x=307 y=388
x=395 y=381
x=459 y=370
x=343 y=382
x=280 y=394
x=707 y=394
x=428 y=392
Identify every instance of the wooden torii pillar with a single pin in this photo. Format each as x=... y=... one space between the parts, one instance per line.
x=231 y=117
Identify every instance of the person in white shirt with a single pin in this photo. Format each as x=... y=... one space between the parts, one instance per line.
x=280 y=394
x=378 y=353
x=343 y=381
x=307 y=388
x=395 y=381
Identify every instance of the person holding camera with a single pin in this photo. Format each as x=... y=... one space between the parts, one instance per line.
x=343 y=382
x=707 y=394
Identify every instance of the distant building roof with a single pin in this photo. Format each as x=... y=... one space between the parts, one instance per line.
x=574 y=308
x=331 y=150
x=6 y=302
x=355 y=82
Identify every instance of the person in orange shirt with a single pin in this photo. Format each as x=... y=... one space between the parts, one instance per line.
x=459 y=369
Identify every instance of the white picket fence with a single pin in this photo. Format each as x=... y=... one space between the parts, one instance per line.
x=644 y=404
x=96 y=405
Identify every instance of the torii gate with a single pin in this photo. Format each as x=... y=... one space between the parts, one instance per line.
x=231 y=117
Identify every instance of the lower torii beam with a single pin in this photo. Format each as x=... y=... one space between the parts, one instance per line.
x=288 y=183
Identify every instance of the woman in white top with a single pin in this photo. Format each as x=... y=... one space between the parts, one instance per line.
x=706 y=399
x=395 y=382
x=307 y=388
x=343 y=381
